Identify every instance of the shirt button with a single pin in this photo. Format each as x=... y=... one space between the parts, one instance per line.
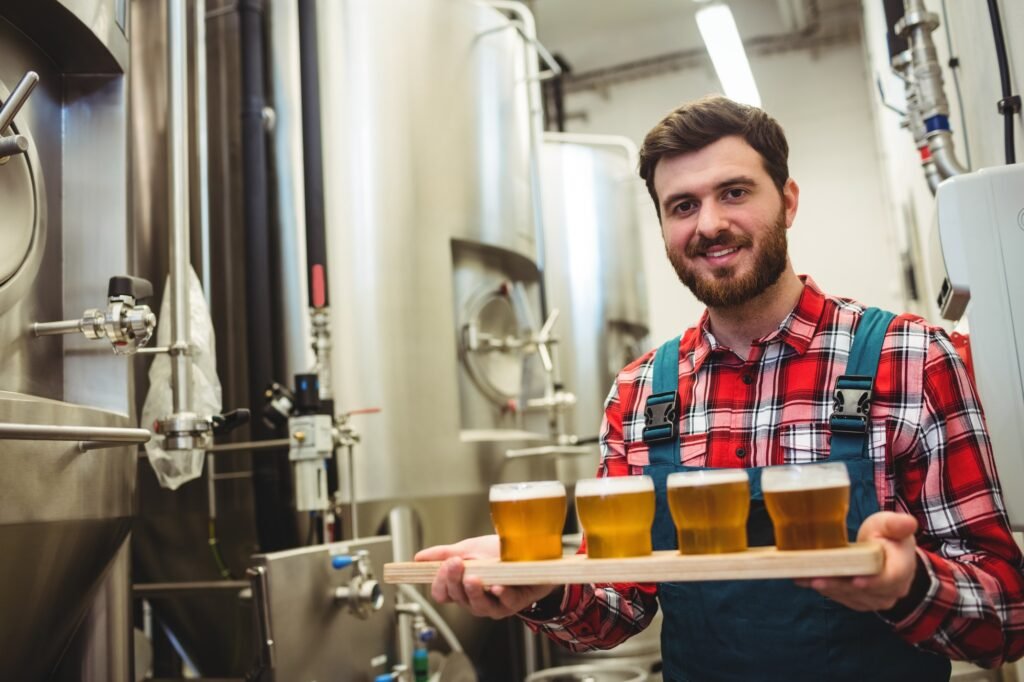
x=741 y=453
x=747 y=379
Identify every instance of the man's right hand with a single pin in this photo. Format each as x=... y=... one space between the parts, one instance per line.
x=452 y=585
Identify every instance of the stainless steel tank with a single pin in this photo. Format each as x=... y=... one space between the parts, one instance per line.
x=594 y=268
x=595 y=275
x=65 y=514
x=431 y=240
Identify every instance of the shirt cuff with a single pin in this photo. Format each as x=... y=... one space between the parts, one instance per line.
x=550 y=608
x=917 y=616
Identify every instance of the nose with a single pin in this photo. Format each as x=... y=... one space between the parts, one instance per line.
x=711 y=220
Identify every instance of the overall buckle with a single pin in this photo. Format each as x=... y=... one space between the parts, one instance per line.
x=661 y=417
x=851 y=404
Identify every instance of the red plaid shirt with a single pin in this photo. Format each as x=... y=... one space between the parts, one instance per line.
x=928 y=440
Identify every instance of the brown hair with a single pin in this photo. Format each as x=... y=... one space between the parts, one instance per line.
x=697 y=124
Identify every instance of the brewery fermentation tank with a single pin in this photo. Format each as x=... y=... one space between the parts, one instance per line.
x=431 y=240
x=594 y=267
x=595 y=275
x=433 y=262
x=65 y=512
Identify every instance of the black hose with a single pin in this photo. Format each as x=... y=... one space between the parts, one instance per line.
x=312 y=156
x=271 y=481
x=1009 y=105
x=894 y=11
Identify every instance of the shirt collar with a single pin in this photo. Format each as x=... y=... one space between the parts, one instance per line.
x=796 y=330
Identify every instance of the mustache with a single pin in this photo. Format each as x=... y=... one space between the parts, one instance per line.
x=724 y=240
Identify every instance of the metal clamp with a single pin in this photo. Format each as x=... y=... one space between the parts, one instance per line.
x=363 y=594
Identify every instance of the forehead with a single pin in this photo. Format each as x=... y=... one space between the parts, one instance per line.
x=700 y=171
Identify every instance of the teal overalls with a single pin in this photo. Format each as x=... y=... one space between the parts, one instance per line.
x=772 y=629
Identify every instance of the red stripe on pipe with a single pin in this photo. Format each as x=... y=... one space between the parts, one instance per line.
x=319 y=294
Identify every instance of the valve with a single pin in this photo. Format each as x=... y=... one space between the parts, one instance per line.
x=363 y=594
x=126 y=323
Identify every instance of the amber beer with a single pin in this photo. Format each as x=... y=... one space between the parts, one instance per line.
x=710 y=509
x=616 y=513
x=529 y=518
x=808 y=504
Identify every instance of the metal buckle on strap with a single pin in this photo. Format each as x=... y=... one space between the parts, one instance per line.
x=851 y=404
x=661 y=417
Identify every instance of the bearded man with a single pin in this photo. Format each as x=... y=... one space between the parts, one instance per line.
x=753 y=385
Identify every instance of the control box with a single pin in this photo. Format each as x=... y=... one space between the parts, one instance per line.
x=981 y=228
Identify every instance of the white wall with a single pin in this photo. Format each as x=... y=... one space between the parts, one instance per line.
x=842 y=236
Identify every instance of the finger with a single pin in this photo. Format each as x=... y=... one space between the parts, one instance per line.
x=455 y=586
x=481 y=603
x=887 y=525
x=435 y=553
x=439 y=587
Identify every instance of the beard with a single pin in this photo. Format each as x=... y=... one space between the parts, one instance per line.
x=725 y=289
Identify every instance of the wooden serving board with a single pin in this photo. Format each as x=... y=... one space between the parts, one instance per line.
x=666 y=566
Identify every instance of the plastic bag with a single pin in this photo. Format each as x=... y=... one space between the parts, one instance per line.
x=180 y=466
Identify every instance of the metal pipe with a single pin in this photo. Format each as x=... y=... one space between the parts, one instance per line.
x=626 y=145
x=940 y=144
x=272 y=444
x=402 y=529
x=202 y=142
x=536 y=111
x=57 y=432
x=353 y=505
x=12 y=105
x=931 y=174
x=150 y=590
x=177 y=155
x=273 y=531
x=283 y=57
x=13 y=144
x=433 y=616
x=56 y=328
x=917 y=25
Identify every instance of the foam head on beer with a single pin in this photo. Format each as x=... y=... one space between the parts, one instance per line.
x=616 y=513
x=529 y=518
x=710 y=509
x=808 y=504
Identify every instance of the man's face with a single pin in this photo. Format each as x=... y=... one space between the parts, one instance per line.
x=724 y=221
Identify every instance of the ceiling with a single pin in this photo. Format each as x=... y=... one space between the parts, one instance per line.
x=597 y=34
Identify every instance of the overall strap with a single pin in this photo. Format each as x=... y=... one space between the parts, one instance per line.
x=661 y=412
x=851 y=404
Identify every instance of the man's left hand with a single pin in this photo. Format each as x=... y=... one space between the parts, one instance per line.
x=895 y=533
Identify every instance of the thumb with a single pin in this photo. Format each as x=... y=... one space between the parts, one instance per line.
x=888 y=525
x=436 y=553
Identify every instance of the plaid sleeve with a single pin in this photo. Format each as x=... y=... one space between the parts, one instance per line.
x=602 y=616
x=974 y=605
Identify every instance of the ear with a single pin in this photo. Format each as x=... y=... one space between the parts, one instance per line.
x=790 y=200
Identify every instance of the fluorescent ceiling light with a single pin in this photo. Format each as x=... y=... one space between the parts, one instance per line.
x=718 y=29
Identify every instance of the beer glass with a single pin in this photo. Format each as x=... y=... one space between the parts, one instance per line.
x=529 y=518
x=616 y=513
x=710 y=509
x=808 y=504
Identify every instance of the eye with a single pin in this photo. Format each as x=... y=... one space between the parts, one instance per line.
x=684 y=207
x=735 y=193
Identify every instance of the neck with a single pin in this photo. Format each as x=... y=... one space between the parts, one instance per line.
x=737 y=327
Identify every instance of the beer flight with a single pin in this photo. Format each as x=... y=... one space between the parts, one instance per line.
x=807 y=504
